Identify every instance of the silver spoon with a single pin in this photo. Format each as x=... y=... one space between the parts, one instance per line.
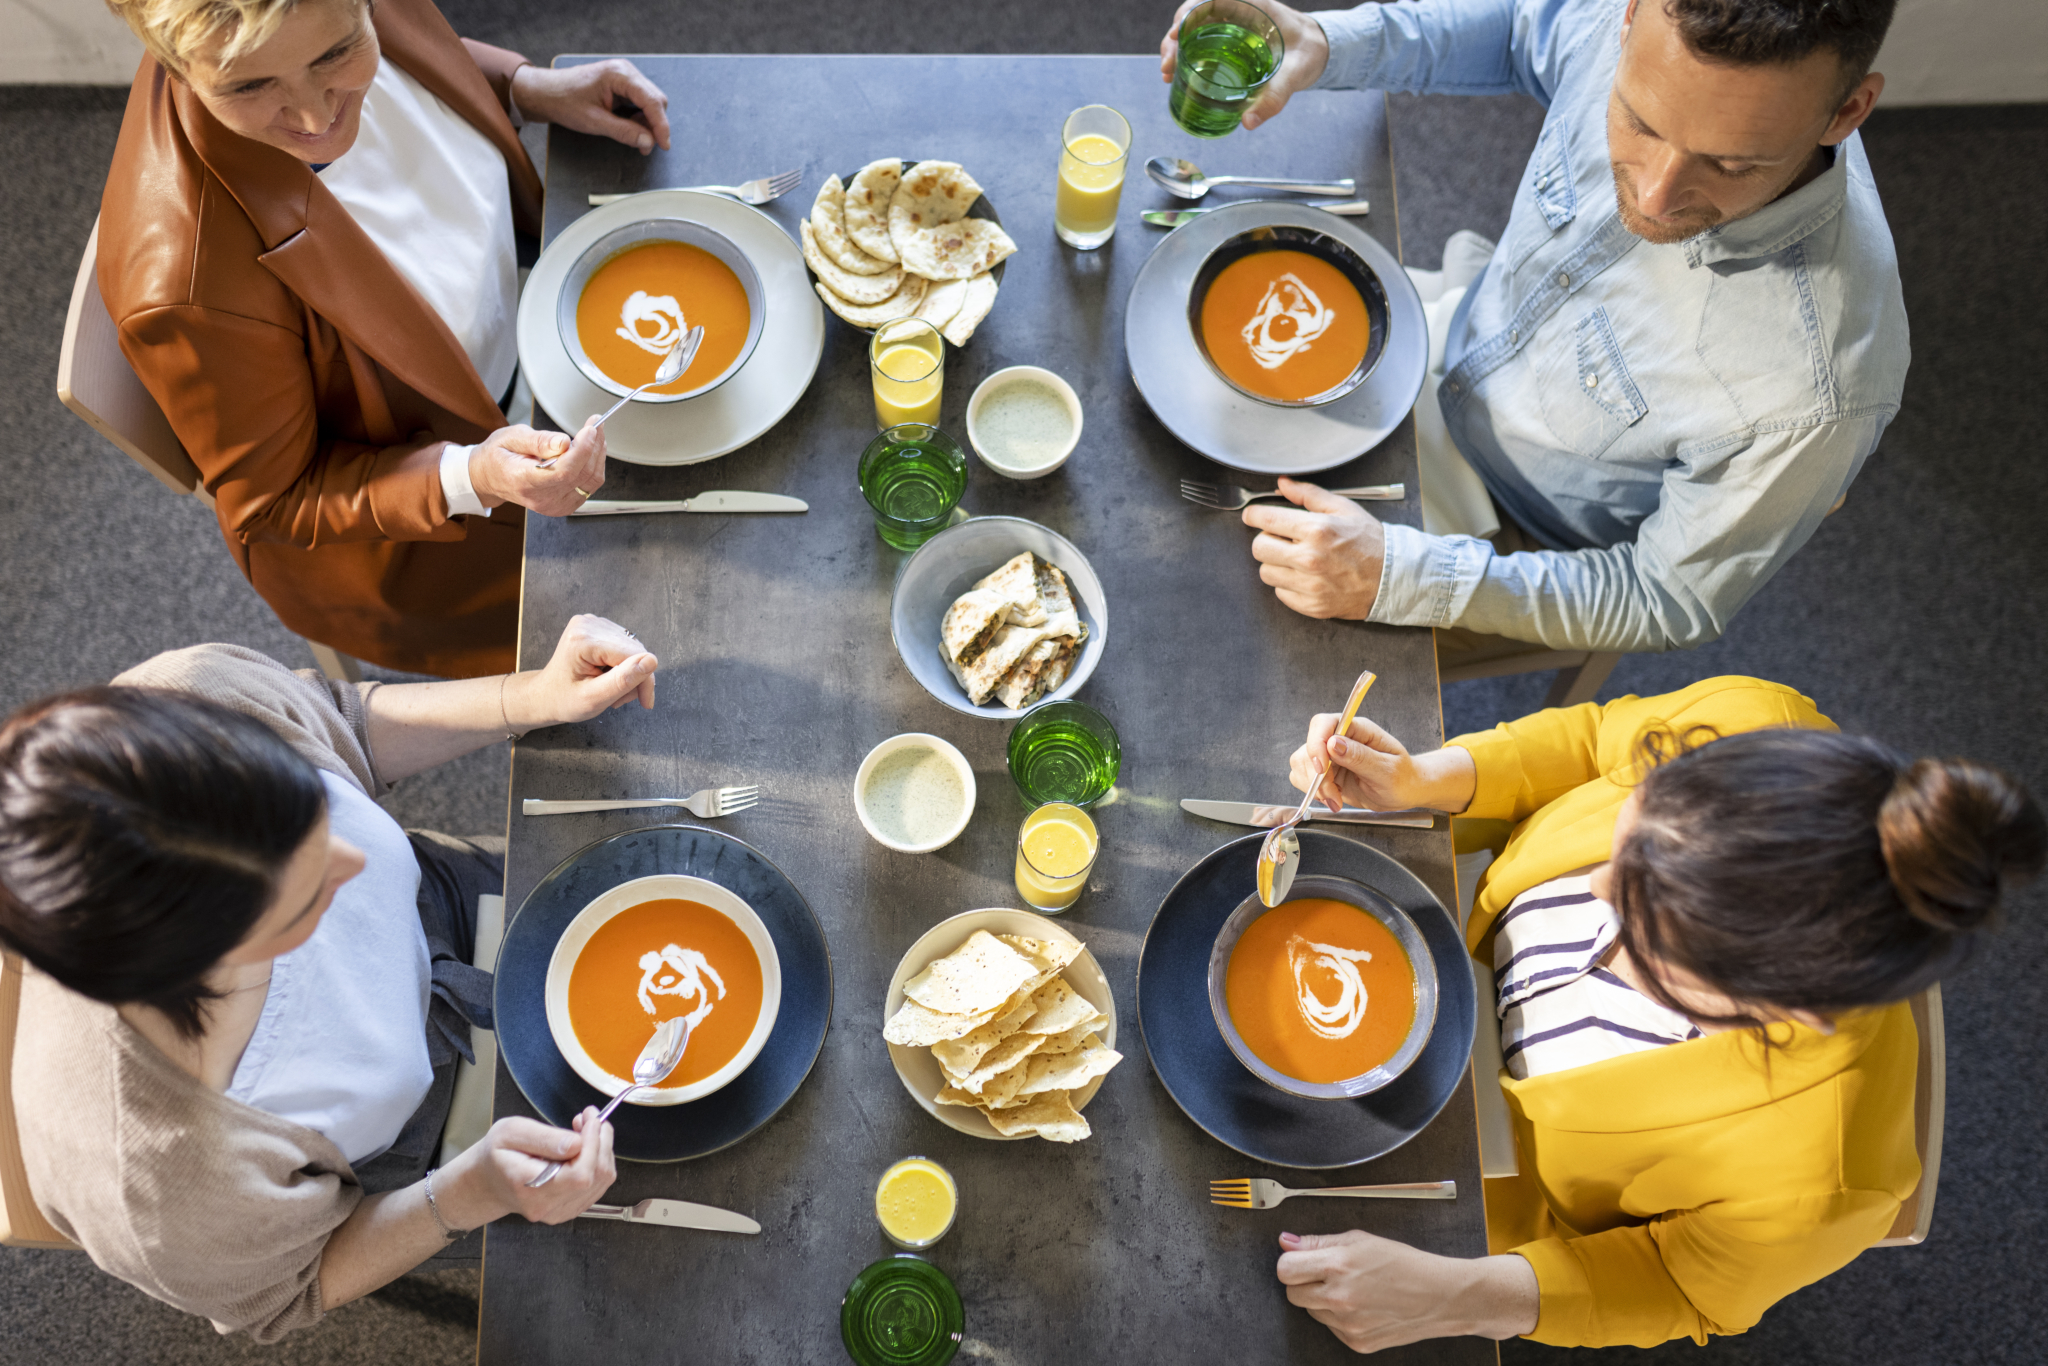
x=1280 y=851
x=671 y=368
x=661 y=1056
x=1185 y=179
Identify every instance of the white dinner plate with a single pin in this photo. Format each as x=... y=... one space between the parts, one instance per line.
x=919 y=1070
x=739 y=410
x=1228 y=427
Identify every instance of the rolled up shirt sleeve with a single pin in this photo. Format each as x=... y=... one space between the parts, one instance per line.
x=1726 y=522
x=1450 y=47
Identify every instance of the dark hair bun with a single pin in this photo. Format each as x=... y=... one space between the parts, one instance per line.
x=1955 y=834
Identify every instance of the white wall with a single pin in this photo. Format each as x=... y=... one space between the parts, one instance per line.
x=1939 y=52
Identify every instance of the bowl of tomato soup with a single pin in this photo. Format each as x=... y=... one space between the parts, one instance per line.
x=1288 y=316
x=1329 y=995
x=649 y=950
x=634 y=291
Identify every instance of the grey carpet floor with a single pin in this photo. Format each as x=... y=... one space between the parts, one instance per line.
x=1916 y=614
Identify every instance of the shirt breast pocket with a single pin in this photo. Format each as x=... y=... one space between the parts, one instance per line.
x=1546 y=202
x=1589 y=398
x=1557 y=198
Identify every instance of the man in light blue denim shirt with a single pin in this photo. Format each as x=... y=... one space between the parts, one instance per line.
x=1690 y=337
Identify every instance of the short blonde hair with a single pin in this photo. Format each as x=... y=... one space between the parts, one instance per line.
x=175 y=31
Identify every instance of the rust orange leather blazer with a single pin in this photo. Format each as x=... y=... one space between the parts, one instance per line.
x=309 y=381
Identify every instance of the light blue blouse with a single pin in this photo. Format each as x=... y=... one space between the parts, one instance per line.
x=341 y=1046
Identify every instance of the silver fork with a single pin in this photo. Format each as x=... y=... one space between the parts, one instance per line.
x=708 y=804
x=1258 y=1193
x=1229 y=497
x=752 y=192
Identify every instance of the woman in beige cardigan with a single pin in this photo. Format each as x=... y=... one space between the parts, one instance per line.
x=225 y=1106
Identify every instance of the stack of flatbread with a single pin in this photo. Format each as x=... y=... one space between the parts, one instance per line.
x=1013 y=1040
x=899 y=244
x=1014 y=635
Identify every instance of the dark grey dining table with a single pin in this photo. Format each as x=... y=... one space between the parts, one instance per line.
x=777 y=669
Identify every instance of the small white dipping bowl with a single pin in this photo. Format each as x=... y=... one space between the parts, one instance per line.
x=1006 y=379
x=662 y=886
x=896 y=744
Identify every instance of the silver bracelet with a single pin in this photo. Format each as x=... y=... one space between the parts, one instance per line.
x=447 y=1234
x=503 y=718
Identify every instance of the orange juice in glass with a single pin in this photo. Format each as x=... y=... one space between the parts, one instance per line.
x=1094 y=146
x=1055 y=850
x=907 y=361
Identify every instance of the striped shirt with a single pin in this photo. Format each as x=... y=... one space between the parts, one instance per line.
x=1558 y=1006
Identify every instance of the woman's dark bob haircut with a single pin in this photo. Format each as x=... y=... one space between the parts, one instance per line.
x=142 y=834
x=1807 y=870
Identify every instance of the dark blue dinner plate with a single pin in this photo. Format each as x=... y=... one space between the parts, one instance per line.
x=1214 y=1088
x=673 y=1133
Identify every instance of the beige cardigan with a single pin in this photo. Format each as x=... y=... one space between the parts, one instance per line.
x=198 y=1200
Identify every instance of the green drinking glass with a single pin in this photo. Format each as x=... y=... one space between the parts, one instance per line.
x=1228 y=51
x=912 y=476
x=901 y=1311
x=1064 y=752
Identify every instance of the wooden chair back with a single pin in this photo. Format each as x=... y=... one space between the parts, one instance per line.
x=1930 y=1102
x=21 y=1223
x=95 y=381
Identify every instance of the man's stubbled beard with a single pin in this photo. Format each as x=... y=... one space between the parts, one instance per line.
x=1692 y=223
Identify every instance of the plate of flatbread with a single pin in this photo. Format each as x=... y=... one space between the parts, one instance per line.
x=998 y=614
x=906 y=239
x=1001 y=1025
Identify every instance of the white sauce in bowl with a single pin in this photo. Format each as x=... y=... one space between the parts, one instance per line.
x=914 y=796
x=1024 y=425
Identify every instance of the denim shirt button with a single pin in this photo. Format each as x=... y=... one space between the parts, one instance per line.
x=1514 y=335
x=1592 y=381
x=1564 y=280
x=1452 y=386
x=1543 y=181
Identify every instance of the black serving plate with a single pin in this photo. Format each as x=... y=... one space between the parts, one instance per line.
x=1215 y=1089
x=673 y=1133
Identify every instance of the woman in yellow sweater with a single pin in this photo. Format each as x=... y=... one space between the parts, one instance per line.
x=1707 y=917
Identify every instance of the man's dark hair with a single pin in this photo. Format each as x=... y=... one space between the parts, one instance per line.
x=1758 y=32
x=142 y=834
x=1806 y=870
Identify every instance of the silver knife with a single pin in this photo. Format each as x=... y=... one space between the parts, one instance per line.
x=1252 y=813
x=1173 y=218
x=676 y=1214
x=718 y=500
x=598 y=200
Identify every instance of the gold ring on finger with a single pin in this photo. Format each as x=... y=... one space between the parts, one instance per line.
x=580 y=492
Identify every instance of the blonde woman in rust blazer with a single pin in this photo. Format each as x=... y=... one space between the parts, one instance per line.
x=1709 y=911
x=318 y=343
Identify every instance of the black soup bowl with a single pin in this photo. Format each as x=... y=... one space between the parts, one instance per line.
x=1286 y=237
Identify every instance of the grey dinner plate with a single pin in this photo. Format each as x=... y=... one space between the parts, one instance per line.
x=1225 y=425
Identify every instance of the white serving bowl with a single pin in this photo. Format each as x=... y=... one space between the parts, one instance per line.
x=948 y=564
x=627 y=894
x=893 y=745
x=1007 y=378
x=919 y=1071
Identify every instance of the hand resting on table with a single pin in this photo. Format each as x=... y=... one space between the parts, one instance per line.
x=1374 y=1292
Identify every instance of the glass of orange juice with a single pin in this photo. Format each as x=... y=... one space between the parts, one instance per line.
x=1094 y=146
x=1055 y=850
x=907 y=360
x=915 y=1202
